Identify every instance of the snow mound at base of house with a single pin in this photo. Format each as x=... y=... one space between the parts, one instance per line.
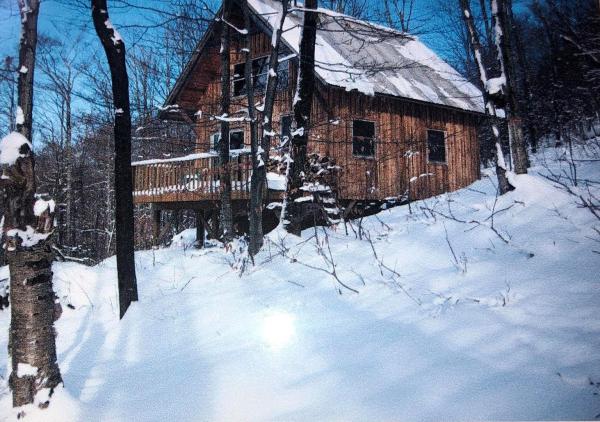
x=458 y=315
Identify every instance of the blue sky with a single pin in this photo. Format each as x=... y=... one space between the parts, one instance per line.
x=61 y=20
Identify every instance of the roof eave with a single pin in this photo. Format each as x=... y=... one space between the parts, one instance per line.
x=170 y=101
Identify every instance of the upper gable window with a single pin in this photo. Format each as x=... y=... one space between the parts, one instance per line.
x=436 y=146
x=363 y=138
x=260 y=73
x=260 y=70
x=239 y=82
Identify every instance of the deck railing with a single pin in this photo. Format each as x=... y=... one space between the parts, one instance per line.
x=192 y=178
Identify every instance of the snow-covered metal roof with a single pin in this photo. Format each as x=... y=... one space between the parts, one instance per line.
x=359 y=55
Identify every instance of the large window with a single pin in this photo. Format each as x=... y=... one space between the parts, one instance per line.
x=363 y=138
x=260 y=73
x=436 y=146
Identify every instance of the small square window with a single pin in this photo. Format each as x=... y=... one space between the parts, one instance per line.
x=236 y=140
x=363 y=138
x=436 y=146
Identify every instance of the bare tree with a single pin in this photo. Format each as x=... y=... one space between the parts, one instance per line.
x=59 y=63
x=399 y=13
x=502 y=17
x=293 y=210
x=27 y=230
x=488 y=93
x=255 y=212
x=114 y=47
x=7 y=94
x=226 y=213
x=259 y=175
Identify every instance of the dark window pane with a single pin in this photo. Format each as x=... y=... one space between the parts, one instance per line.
x=363 y=128
x=215 y=138
x=283 y=74
x=239 y=82
x=363 y=138
x=260 y=71
x=436 y=146
x=260 y=65
x=260 y=74
x=286 y=129
x=236 y=140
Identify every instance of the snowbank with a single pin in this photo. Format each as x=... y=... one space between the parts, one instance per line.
x=453 y=320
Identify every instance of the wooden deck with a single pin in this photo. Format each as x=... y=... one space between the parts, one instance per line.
x=193 y=178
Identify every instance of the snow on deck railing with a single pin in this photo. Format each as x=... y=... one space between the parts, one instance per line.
x=197 y=174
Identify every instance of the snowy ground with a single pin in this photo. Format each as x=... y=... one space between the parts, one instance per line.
x=502 y=331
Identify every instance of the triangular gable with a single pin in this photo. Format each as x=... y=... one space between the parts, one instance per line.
x=358 y=55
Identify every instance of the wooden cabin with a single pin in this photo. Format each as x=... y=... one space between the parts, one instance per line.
x=398 y=121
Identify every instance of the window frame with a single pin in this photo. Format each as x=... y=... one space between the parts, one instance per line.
x=243 y=132
x=212 y=146
x=445 y=161
x=284 y=116
x=367 y=157
x=254 y=77
x=266 y=73
x=241 y=78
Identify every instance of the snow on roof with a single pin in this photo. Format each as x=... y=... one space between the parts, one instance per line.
x=359 y=55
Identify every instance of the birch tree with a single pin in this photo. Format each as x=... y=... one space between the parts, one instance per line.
x=491 y=89
x=114 y=48
x=501 y=17
x=27 y=229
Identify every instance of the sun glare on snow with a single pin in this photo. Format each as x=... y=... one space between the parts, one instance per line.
x=278 y=329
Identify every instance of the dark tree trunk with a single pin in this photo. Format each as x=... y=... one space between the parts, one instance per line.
x=302 y=107
x=255 y=212
x=226 y=220
x=200 y=229
x=259 y=176
x=69 y=232
x=490 y=109
x=486 y=23
x=33 y=309
x=514 y=114
x=27 y=50
x=156 y=219
x=527 y=95
x=114 y=47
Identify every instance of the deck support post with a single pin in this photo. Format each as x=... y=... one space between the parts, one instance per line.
x=200 y=229
x=155 y=226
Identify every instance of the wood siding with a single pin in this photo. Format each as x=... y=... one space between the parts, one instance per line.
x=399 y=166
